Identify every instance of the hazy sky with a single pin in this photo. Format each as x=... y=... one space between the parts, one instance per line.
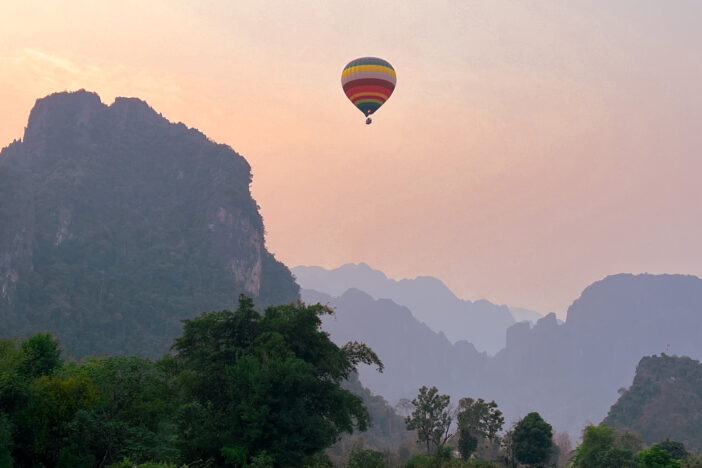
x=530 y=147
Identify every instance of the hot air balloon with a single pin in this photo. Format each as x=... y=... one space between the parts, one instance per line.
x=368 y=82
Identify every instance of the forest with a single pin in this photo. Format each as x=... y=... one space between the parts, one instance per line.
x=245 y=389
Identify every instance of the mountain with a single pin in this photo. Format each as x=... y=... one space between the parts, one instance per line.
x=481 y=322
x=117 y=223
x=664 y=401
x=569 y=372
x=413 y=354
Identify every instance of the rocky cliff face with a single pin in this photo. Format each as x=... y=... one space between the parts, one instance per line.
x=116 y=223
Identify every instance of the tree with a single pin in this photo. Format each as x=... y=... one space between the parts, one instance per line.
x=41 y=355
x=675 y=449
x=603 y=447
x=265 y=383
x=431 y=418
x=482 y=418
x=467 y=442
x=477 y=420
x=532 y=439
x=43 y=423
x=656 y=457
x=133 y=414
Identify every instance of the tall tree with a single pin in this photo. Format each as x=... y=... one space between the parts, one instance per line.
x=675 y=449
x=431 y=418
x=265 y=384
x=477 y=420
x=467 y=442
x=481 y=417
x=41 y=355
x=532 y=439
x=656 y=457
x=603 y=447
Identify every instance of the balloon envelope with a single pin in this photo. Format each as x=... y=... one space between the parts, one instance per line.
x=368 y=82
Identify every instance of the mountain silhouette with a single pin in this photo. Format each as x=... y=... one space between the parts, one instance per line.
x=413 y=354
x=569 y=372
x=480 y=322
x=117 y=224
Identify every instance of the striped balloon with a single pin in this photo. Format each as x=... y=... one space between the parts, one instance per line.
x=368 y=82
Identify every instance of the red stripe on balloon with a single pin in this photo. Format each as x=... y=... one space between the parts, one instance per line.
x=370 y=81
x=368 y=89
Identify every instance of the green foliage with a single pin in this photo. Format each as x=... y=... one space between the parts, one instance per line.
x=243 y=388
x=431 y=418
x=265 y=383
x=665 y=400
x=41 y=355
x=361 y=458
x=532 y=439
x=477 y=419
x=604 y=447
x=132 y=414
x=675 y=449
x=43 y=423
x=481 y=418
x=656 y=457
x=235 y=455
x=467 y=442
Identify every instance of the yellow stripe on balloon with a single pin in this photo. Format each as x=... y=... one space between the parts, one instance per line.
x=375 y=68
x=384 y=96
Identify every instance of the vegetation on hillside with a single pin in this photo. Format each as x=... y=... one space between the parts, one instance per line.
x=664 y=401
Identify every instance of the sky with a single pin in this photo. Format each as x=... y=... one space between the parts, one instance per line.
x=530 y=147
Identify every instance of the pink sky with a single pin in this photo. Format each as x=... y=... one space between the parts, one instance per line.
x=529 y=149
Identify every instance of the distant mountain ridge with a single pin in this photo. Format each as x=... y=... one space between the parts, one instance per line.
x=573 y=370
x=480 y=322
x=569 y=372
x=413 y=354
x=116 y=224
